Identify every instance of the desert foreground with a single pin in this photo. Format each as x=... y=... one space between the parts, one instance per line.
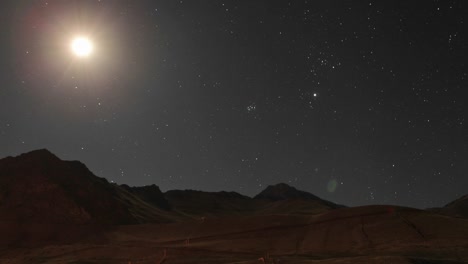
x=371 y=234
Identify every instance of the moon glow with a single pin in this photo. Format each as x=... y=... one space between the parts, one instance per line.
x=82 y=46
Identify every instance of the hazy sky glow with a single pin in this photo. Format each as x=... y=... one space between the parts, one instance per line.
x=358 y=102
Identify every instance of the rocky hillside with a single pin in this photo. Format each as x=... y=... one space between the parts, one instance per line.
x=457 y=208
x=41 y=188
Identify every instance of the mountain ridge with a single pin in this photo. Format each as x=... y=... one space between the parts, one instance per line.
x=76 y=185
x=47 y=201
x=455 y=208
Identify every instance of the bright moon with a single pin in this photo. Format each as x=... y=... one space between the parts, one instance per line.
x=82 y=47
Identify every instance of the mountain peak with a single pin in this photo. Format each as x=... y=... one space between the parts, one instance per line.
x=150 y=194
x=461 y=200
x=39 y=154
x=38 y=186
x=282 y=191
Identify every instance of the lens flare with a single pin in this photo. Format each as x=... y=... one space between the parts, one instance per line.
x=331 y=186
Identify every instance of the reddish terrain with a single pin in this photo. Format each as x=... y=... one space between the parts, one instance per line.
x=54 y=211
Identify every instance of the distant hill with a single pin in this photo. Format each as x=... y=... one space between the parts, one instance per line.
x=209 y=203
x=282 y=192
x=41 y=188
x=150 y=194
x=45 y=200
x=276 y=199
x=457 y=208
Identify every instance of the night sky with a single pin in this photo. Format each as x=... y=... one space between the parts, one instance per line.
x=358 y=102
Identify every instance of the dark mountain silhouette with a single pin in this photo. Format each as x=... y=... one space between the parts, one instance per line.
x=199 y=203
x=45 y=200
x=282 y=192
x=39 y=187
x=150 y=194
x=457 y=208
x=277 y=199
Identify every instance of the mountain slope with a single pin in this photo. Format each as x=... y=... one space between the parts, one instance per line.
x=457 y=208
x=276 y=199
x=198 y=203
x=150 y=194
x=283 y=192
x=39 y=187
